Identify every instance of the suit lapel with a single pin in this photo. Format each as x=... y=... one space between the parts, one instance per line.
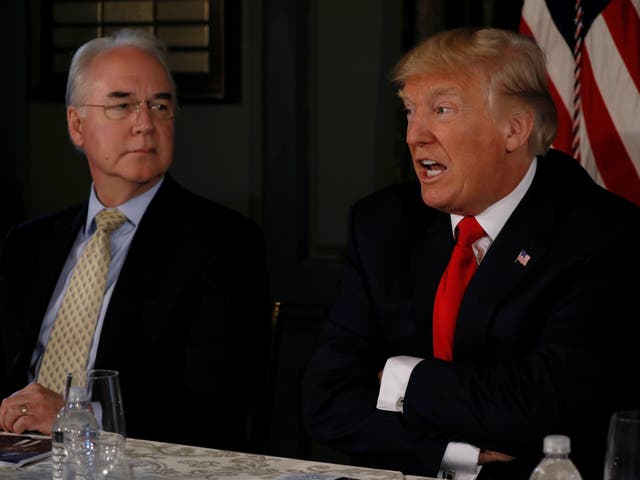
x=51 y=259
x=429 y=260
x=47 y=265
x=500 y=273
x=140 y=271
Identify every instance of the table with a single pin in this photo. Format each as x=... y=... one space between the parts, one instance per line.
x=167 y=461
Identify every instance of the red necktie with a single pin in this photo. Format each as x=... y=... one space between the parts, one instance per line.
x=453 y=283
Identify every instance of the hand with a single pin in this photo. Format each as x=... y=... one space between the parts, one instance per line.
x=380 y=376
x=488 y=456
x=32 y=408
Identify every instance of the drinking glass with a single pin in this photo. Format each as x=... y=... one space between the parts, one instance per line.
x=119 y=471
x=622 y=461
x=103 y=392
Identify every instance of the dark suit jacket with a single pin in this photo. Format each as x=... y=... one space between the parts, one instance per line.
x=187 y=326
x=538 y=349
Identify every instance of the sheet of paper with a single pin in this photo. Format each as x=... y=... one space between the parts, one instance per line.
x=18 y=450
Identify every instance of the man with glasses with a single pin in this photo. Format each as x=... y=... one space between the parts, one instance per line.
x=182 y=311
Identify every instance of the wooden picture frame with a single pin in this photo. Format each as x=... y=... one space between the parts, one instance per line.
x=202 y=38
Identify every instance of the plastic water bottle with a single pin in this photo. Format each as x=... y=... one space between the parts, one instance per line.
x=73 y=431
x=556 y=464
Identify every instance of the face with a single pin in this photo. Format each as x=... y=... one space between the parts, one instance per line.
x=459 y=149
x=128 y=156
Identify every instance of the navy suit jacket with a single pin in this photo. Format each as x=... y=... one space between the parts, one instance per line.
x=187 y=326
x=541 y=348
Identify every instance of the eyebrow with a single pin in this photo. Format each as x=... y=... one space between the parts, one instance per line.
x=163 y=96
x=446 y=91
x=118 y=94
x=438 y=92
x=157 y=96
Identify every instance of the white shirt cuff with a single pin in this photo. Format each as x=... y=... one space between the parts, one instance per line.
x=462 y=459
x=395 y=379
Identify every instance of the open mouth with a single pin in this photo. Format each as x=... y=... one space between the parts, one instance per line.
x=432 y=168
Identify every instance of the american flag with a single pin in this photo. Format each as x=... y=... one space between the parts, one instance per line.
x=523 y=258
x=593 y=62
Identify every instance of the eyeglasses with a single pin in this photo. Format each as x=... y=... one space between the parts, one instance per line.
x=158 y=109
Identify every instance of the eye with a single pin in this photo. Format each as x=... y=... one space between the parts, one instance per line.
x=159 y=107
x=443 y=109
x=408 y=110
x=120 y=107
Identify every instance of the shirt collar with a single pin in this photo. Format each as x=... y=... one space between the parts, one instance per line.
x=495 y=216
x=133 y=209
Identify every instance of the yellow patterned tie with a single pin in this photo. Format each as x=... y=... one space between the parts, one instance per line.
x=72 y=333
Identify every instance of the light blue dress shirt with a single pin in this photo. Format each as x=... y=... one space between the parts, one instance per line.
x=120 y=242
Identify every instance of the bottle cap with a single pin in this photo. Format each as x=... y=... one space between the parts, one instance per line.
x=556 y=444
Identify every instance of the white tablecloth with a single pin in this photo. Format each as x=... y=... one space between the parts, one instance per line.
x=165 y=461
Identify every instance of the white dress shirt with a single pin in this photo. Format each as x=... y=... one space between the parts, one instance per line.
x=460 y=458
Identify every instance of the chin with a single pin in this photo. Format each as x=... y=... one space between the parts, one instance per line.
x=430 y=198
x=150 y=179
x=145 y=173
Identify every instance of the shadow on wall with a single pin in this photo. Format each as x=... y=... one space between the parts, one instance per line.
x=11 y=201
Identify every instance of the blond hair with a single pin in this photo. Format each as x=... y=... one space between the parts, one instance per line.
x=514 y=66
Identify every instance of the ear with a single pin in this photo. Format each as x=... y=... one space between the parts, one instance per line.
x=75 y=127
x=518 y=130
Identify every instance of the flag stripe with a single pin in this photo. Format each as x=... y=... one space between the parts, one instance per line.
x=564 y=137
x=622 y=19
x=538 y=24
x=620 y=95
x=587 y=158
x=559 y=58
x=609 y=79
x=613 y=162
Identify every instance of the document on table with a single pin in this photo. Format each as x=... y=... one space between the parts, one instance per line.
x=18 y=450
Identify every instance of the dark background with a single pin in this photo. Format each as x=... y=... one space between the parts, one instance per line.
x=314 y=126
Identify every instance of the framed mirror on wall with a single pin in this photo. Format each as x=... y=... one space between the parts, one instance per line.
x=202 y=37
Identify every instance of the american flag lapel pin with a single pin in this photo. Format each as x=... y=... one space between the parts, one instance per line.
x=523 y=258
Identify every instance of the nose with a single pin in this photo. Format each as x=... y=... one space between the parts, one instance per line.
x=143 y=121
x=418 y=130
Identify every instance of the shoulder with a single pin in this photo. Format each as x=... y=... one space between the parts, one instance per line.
x=580 y=201
x=42 y=227
x=393 y=202
x=26 y=242
x=391 y=215
x=194 y=213
x=573 y=183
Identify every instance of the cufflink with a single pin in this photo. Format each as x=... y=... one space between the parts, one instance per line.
x=447 y=474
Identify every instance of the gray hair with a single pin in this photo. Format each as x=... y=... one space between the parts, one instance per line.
x=514 y=66
x=142 y=39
